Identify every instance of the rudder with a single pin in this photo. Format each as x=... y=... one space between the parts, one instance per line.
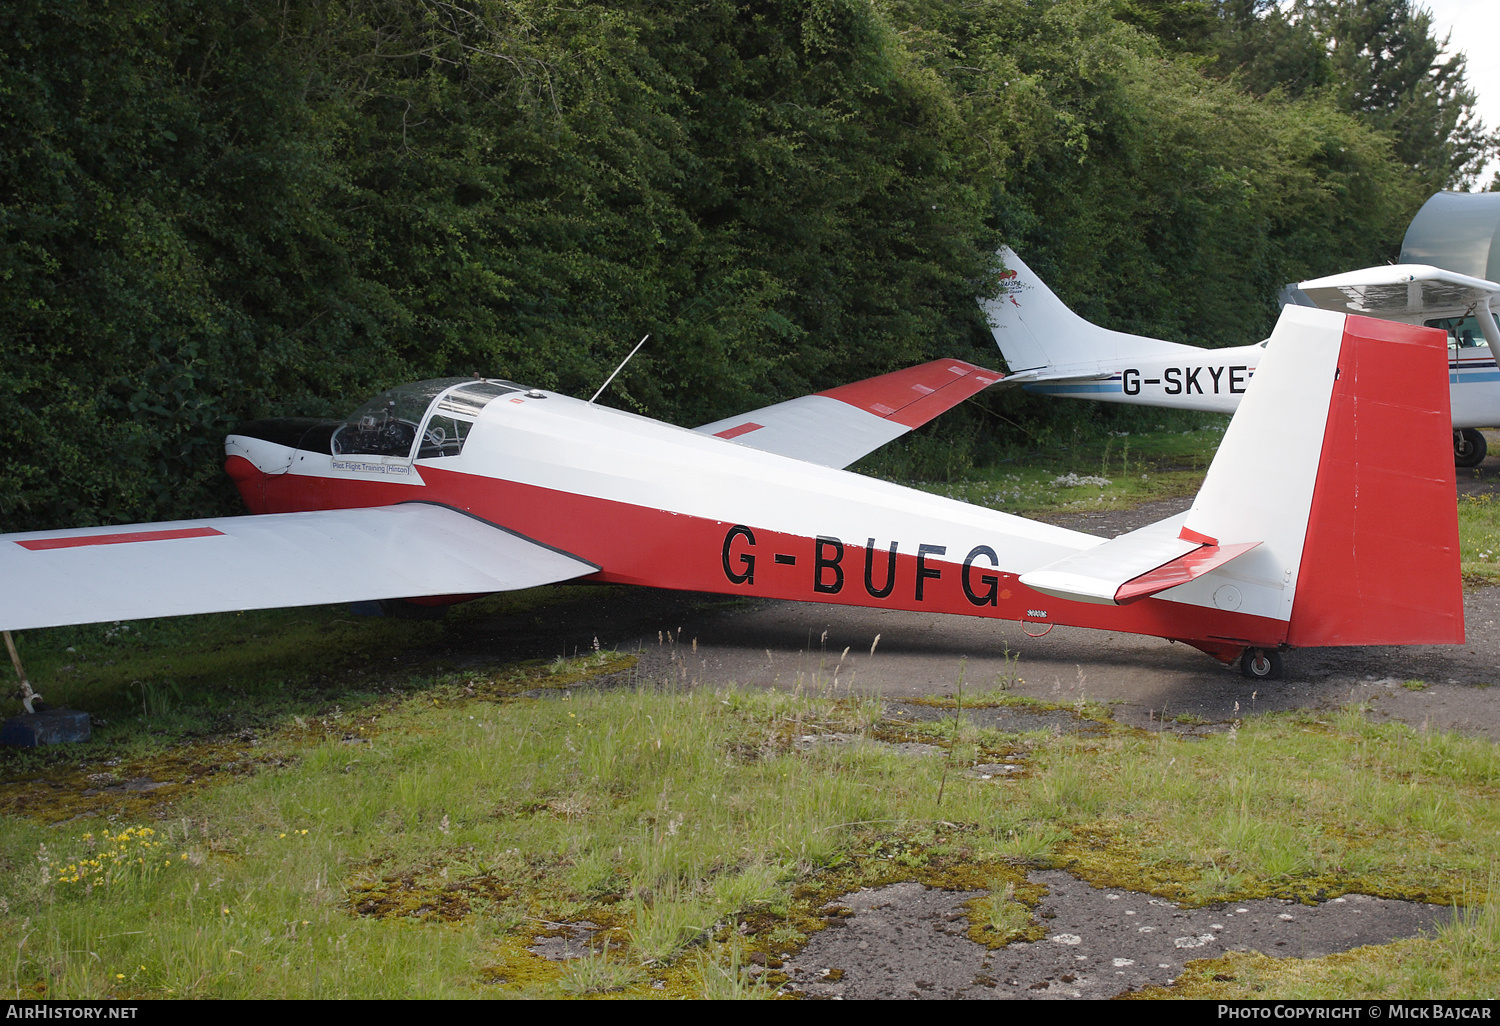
x=1380 y=564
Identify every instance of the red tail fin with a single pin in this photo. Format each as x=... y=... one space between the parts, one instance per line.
x=1380 y=563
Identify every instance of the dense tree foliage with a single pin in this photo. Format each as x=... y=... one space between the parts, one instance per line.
x=212 y=212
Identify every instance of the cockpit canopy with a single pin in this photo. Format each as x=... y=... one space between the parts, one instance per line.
x=433 y=418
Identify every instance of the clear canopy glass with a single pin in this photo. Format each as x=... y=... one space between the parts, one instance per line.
x=439 y=412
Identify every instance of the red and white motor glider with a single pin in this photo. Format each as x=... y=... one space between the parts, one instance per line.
x=1327 y=518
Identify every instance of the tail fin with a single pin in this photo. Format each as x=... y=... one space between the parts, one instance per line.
x=1037 y=332
x=1339 y=461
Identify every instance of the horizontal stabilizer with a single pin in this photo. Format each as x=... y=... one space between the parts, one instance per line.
x=837 y=427
x=1134 y=565
x=1181 y=570
x=223 y=564
x=1037 y=377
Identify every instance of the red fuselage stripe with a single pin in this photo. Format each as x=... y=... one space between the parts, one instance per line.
x=39 y=544
x=661 y=549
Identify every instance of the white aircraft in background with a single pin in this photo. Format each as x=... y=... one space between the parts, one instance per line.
x=1053 y=351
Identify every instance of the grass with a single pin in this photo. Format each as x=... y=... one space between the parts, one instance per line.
x=599 y=973
x=1091 y=469
x=150 y=684
x=1116 y=472
x=693 y=838
x=1004 y=918
x=1479 y=538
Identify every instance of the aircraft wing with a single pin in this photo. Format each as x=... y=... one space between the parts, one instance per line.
x=1397 y=289
x=837 y=427
x=408 y=550
x=1134 y=565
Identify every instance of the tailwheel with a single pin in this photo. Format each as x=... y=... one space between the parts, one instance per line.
x=1261 y=664
x=1468 y=448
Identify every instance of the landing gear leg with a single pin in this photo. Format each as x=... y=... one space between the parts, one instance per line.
x=1468 y=448
x=1261 y=664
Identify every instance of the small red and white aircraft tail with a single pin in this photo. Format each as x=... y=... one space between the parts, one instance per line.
x=1346 y=472
x=1380 y=564
x=1327 y=517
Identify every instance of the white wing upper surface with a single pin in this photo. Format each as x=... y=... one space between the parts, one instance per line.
x=837 y=427
x=221 y=564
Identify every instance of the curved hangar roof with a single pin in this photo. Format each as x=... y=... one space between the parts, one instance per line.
x=1457 y=231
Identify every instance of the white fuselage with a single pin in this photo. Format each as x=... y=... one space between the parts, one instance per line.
x=1190 y=378
x=1213 y=380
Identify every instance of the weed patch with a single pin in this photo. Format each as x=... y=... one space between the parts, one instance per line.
x=1479 y=538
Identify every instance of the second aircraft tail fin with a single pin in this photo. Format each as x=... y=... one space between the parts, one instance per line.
x=1037 y=332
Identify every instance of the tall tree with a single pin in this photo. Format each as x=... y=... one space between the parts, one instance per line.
x=1389 y=67
x=1379 y=60
x=1267 y=49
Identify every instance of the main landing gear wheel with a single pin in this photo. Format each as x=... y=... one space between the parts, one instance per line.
x=1260 y=664
x=1468 y=448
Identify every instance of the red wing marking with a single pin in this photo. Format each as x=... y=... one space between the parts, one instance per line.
x=913 y=396
x=39 y=544
x=1180 y=570
x=738 y=429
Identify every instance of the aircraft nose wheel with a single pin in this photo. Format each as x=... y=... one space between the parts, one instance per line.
x=1259 y=664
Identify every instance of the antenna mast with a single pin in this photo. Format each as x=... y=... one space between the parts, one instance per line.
x=622 y=366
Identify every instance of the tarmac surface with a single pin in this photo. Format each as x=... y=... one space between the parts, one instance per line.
x=908 y=941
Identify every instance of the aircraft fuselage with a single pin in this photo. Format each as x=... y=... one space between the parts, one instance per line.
x=1213 y=380
x=666 y=507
